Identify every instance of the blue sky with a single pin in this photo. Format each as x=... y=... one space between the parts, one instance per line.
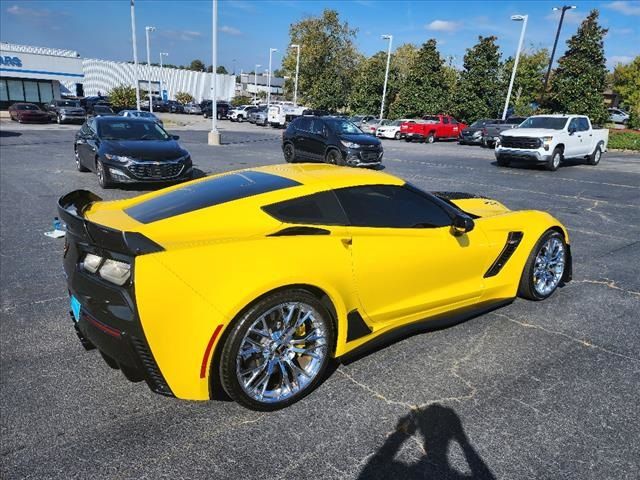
x=102 y=29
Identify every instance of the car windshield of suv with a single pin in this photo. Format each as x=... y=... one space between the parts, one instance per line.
x=551 y=123
x=26 y=107
x=344 y=127
x=102 y=109
x=131 y=130
x=67 y=103
x=480 y=123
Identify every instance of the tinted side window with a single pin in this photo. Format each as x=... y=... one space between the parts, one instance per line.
x=445 y=120
x=317 y=209
x=304 y=124
x=573 y=125
x=390 y=206
x=317 y=126
x=583 y=124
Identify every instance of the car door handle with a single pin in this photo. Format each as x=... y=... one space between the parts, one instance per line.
x=347 y=242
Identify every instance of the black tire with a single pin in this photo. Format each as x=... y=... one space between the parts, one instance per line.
x=407 y=139
x=79 y=166
x=431 y=138
x=59 y=120
x=237 y=332
x=204 y=114
x=289 y=153
x=502 y=162
x=240 y=119
x=334 y=157
x=103 y=175
x=594 y=158
x=397 y=136
x=554 y=160
x=526 y=289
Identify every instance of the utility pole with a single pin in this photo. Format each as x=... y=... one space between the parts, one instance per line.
x=147 y=30
x=135 y=54
x=271 y=51
x=555 y=44
x=162 y=54
x=523 y=19
x=255 y=81
x=386 y=74
x=214 y=135
x=295 y=88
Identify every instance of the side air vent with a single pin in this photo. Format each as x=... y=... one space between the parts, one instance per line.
x=356 y=326
x=513 y=240
x=154 y=378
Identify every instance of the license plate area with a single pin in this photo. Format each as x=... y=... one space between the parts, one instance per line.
x=75 y=307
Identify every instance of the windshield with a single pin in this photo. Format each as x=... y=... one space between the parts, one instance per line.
x=396 y=123
x=131 y=130
x=102 y=109
x=67 y=103
x=344 y=127
x=26 y=107
x=356 y=119
x=480 y=123
x=552 y=123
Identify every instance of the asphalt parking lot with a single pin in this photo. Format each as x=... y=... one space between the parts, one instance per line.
x=533 y=390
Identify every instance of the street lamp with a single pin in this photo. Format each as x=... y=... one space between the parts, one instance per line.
x=255 y=81
x=555 y=44
x=271 y=52
x=386 y=73
x=147 y=30
x=523 y=19
x=295 y=88
x=162 y=54
x=135 y=54
x=214 y=135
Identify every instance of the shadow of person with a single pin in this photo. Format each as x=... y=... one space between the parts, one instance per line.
x=440 y=427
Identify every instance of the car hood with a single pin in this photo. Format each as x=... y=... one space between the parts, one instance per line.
x=472 y=129
x=144 y=149
x=361 y=139
x=531 y=132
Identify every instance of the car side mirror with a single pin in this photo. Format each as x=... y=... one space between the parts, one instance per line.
x=572 y=130
x=175 y=137
x=461 y=224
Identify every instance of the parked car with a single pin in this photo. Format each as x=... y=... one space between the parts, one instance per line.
x=550 y=139
x=253 y=115
x=491 y=131
x=222 y=109
x=173 y=106
x=140 y=114
x=241 y=113
x=392 y=129
x=192 y=109
x=372 y=126
x=432 y=128
x=130 y=150
x=282 y=115
x=361 y=120
x=64 y=111
x=101 y=110
x=262 y=117
x=88 y=102
x=331 y=140
x=311 y=263
x=159 y=105
x=472 y=135
x=618 y=116
x=23 y=112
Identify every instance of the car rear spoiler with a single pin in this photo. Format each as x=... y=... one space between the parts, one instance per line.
x=71 y=208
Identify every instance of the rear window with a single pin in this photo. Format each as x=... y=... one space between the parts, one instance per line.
x=207 y=194
x=317 y=209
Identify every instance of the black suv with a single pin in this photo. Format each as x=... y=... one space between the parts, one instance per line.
x=331 y=140
x=221 y=107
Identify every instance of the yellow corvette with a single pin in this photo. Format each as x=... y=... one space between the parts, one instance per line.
x=252 y=280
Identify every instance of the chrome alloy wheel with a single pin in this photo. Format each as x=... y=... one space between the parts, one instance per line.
x=282 y=352
x=549 y=266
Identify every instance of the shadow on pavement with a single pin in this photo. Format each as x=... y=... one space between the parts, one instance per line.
x=439 y=427
x=5 y=133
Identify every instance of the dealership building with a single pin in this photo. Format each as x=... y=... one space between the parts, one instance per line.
x=40 y=74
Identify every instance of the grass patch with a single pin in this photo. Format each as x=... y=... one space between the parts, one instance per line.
x=624 y=140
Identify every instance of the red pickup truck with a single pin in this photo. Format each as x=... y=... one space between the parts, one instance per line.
x=431 y=128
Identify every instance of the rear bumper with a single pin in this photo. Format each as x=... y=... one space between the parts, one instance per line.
x=521 y=154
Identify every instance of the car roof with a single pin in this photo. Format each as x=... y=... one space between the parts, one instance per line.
x=120 y=118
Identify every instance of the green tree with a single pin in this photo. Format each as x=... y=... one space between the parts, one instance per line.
x=328 y=59
x=241 y=100
x=426 y=88
x=197 y=65
x=222 y=70
x=625 y=81
x=123 y=96
x=366 y=93
x=529 y=81
x=480 y=92
x=581 y=76
x=184 y=97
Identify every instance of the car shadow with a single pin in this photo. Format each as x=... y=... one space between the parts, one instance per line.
x=6 y=133
x=440 y=428
x=524 y=165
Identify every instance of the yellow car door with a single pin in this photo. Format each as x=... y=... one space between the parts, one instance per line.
x=407 y=263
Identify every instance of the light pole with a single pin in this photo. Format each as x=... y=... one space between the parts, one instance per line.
x=523 y=19
x=255 y=81
x=271 y=51
x=386 y=73
x=147 y=30
x=555 y=44
x=214 y=135
x=135 y=54
x=162 y=54
x=295 y=87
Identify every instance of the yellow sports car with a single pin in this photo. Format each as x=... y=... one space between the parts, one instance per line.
x=249 y=282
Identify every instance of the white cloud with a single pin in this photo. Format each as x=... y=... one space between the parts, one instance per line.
x=616 y=59
x=186 y=35
x=443 y=26
x=627 y=8
x=230 y=30
x=570 y=17
x=29 y=12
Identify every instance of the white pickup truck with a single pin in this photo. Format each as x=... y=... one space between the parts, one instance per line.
x=549 y=139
